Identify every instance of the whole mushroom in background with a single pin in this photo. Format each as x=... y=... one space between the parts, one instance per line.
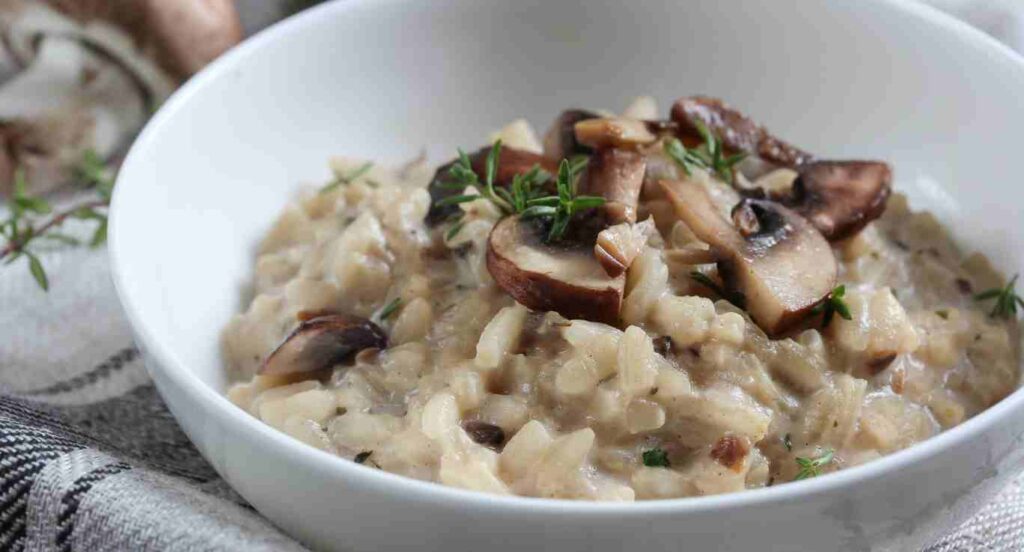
x=78 y=75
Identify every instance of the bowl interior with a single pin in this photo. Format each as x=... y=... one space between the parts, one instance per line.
x=385 y=79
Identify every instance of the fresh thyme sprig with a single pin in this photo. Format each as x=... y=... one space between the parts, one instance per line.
x=1006 y=299
x=811 y=467
x=525 y=196
x=655 y=458
x=350 y=177
x=561 y=208
x=833 y=304
x=710 y=155
x=25 y=224
x=465 y=177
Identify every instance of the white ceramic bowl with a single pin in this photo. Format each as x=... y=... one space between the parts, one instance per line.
x=381 y=79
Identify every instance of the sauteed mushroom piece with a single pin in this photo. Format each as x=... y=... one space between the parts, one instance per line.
x=773 y=256
x=560 y=140
x=616 y=175
x=618 y=246
x=322 y=342
x=840 y=197
x=564 y=277
x=511 y=162
x=613 y=132
x=737 y=131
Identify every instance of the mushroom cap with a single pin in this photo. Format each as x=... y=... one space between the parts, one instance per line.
x=567 y=279
x=617 y=175
x=323 y=342
x=778 y=261
x=613 y=132
x=841 y=197
x=560 y=140
x=737 y=131
x=511 y=161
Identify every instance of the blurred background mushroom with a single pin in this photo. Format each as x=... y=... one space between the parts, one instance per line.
x=85 y=75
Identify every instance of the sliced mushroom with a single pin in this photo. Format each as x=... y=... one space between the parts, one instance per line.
x=618 y=246
x=560 y=140
x=511 y=161
x=567 y=279
x=840 y=197
x=323 y=342
x=616 y=175
x=613 y=132
x=779 y=262
x=737 y=132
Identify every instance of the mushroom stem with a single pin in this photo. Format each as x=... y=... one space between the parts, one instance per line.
x=617 y=175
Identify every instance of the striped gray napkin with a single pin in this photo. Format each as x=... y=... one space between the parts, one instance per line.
x=90 y=458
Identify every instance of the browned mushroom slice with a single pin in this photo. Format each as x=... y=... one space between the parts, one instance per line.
x=323 y=342
x=614 y=132
x=567 y=278
x=737 y=131
x=616 y=175
x=511 y=162
x=773 y=256
x=841 y=197
x=560 y=140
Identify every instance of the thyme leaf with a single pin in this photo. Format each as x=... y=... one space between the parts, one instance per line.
x=1006 y=298
x=655 y=458
x=811 y=467
x=710 y=155
x=525 y=195
x=833 y=304
x=32 y=218
x=390 y=308
x=347 y=178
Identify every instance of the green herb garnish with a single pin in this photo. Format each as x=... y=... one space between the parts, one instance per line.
x=710 y=155
x=33 y=218
x=811 y=467
x=390 y=308
x=655 y=458
x=561 y=208
x=464 y=177
x=348 y=178
x=1006 y=299
x=454 y=229
x=833 y=304
x=93 y=173
x=525 y=196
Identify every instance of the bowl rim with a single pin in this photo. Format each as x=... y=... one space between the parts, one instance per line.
x=166 y=361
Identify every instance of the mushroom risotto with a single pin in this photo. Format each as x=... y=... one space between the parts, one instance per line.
x=634 y=308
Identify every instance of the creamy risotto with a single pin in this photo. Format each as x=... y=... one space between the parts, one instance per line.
x=633 y=308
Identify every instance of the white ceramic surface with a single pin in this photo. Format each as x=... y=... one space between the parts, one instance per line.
x=381 y=79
